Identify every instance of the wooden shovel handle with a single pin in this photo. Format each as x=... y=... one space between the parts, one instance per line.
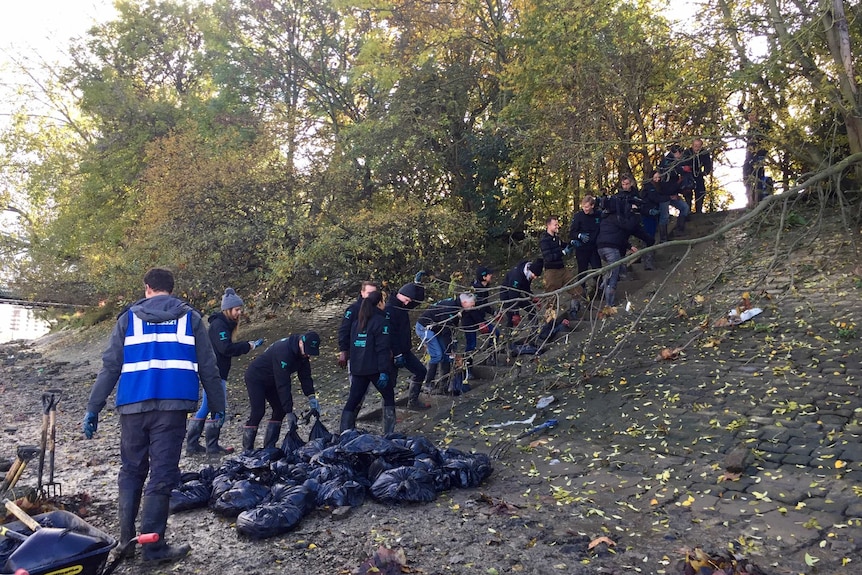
x=22 y=515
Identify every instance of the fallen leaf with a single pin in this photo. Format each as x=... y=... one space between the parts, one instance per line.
x=599 y=541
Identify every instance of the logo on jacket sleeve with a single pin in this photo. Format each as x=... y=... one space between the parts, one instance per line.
x=222 y=335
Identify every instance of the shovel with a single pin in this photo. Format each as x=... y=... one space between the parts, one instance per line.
x=499 y=450
x=23 y=455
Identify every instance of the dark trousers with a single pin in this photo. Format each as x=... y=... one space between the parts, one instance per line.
x=588 y=257
x=412 y=364
x=359 y=385
x=151 y=443
x=699 y=194
x=258 y=396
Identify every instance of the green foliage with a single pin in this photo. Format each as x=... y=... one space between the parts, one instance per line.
x=383 y=244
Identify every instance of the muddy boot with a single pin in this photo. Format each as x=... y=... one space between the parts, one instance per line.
x=388 y=419
x=413 y=401
x=249 y=434
x=679 y=229
x=648 y=260
x=213 y=431
x=608 y=296
x=127 y=512
x=662 y=233
x=445 y=385
x=430 y=376
x=193 y=435
x=154 y=519
x=348 y=421
x=273 y=430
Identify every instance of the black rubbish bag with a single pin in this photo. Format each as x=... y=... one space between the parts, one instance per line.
x=319 y=431
x=268 y=520
x=301 y=496
x=404 y=485
x=285 y=471
x=379 y=447
x=292 y=442
x=310 y=449
x=442 y=481
x=242 y=496
x=190 y=495
x=341 y=493
x=466 y=469
x=260 y=458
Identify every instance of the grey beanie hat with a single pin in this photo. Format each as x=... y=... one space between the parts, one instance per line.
x=230 y=300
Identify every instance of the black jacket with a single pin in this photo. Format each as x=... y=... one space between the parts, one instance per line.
x=347 y=324
x=699 y=162
x=471 y=318
x=616 y=229
x=583 y=223
x=516 y=286
x=552 y=251
x=673 y=177
x=370 y=350
x=274 y=367
x=441 y=316
x=220 y=331
x=400 y=328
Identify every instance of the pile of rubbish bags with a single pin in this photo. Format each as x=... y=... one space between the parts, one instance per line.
x=269 y=491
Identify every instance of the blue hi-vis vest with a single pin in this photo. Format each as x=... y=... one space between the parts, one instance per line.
x=159 y=361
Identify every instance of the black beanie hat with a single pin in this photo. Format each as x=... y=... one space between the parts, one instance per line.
x=414 y=291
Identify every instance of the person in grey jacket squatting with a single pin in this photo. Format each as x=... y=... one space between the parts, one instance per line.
x=158 y=354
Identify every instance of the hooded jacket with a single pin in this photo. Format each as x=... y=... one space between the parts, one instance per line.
x=370 y=350
x=516 y=286
x=158 y=352
x=220 y=332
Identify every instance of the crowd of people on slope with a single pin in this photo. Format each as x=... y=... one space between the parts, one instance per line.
x=160 y=352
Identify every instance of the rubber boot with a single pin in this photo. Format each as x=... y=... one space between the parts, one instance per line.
x=430 y=376
x=445 y=386
x=249 y=433
x=213 y=431
x=128 y=504
x=154 y=519
x=348 y=421
x=609 y=295
x=662 y=233
x=388 y=419
x=273 y=430
x=413 y=401
x=680 y=225
x=193 y=435
x=648 y=260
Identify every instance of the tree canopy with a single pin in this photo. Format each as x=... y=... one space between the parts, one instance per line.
x=298 y=146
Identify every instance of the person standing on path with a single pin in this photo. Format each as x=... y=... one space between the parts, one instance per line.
x=222 y=328
x=350 y=314
x=557 y=275
x=398 y=311
x=370 y=363
x=159 y=353
x=267 y=380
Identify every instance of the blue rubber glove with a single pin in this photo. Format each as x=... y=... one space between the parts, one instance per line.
x=90 y=424
x=418 y=277
x=218 y=417
x=313 y=404
x=653 y=212
x=567 y=250
x=257 y=343
x=585 y=238
x=382 y=381
x=398 y=361
x=577 y=243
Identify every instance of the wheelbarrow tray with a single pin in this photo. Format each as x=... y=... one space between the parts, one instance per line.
x=56 y=554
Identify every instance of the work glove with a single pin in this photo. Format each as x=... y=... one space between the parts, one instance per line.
x=398 y=361
x=417 y=279
x=218 y=417
x=576 y=243
x=686 y=168
x=313 y=404
x=584 y=237
x=257 y=343
x=342 y=359
x=484 y=327
x=382 y=381
x=90 y=424
x=653 y=212
x=292 y=422
x=567 y=250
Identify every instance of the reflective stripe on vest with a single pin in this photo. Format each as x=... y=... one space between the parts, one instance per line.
x=159 y=361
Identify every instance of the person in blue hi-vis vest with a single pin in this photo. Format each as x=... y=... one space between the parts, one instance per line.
x=159 y=354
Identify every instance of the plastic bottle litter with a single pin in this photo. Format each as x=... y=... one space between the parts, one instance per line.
x=545 y=401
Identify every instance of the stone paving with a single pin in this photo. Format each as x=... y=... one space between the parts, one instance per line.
x=642 y=446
